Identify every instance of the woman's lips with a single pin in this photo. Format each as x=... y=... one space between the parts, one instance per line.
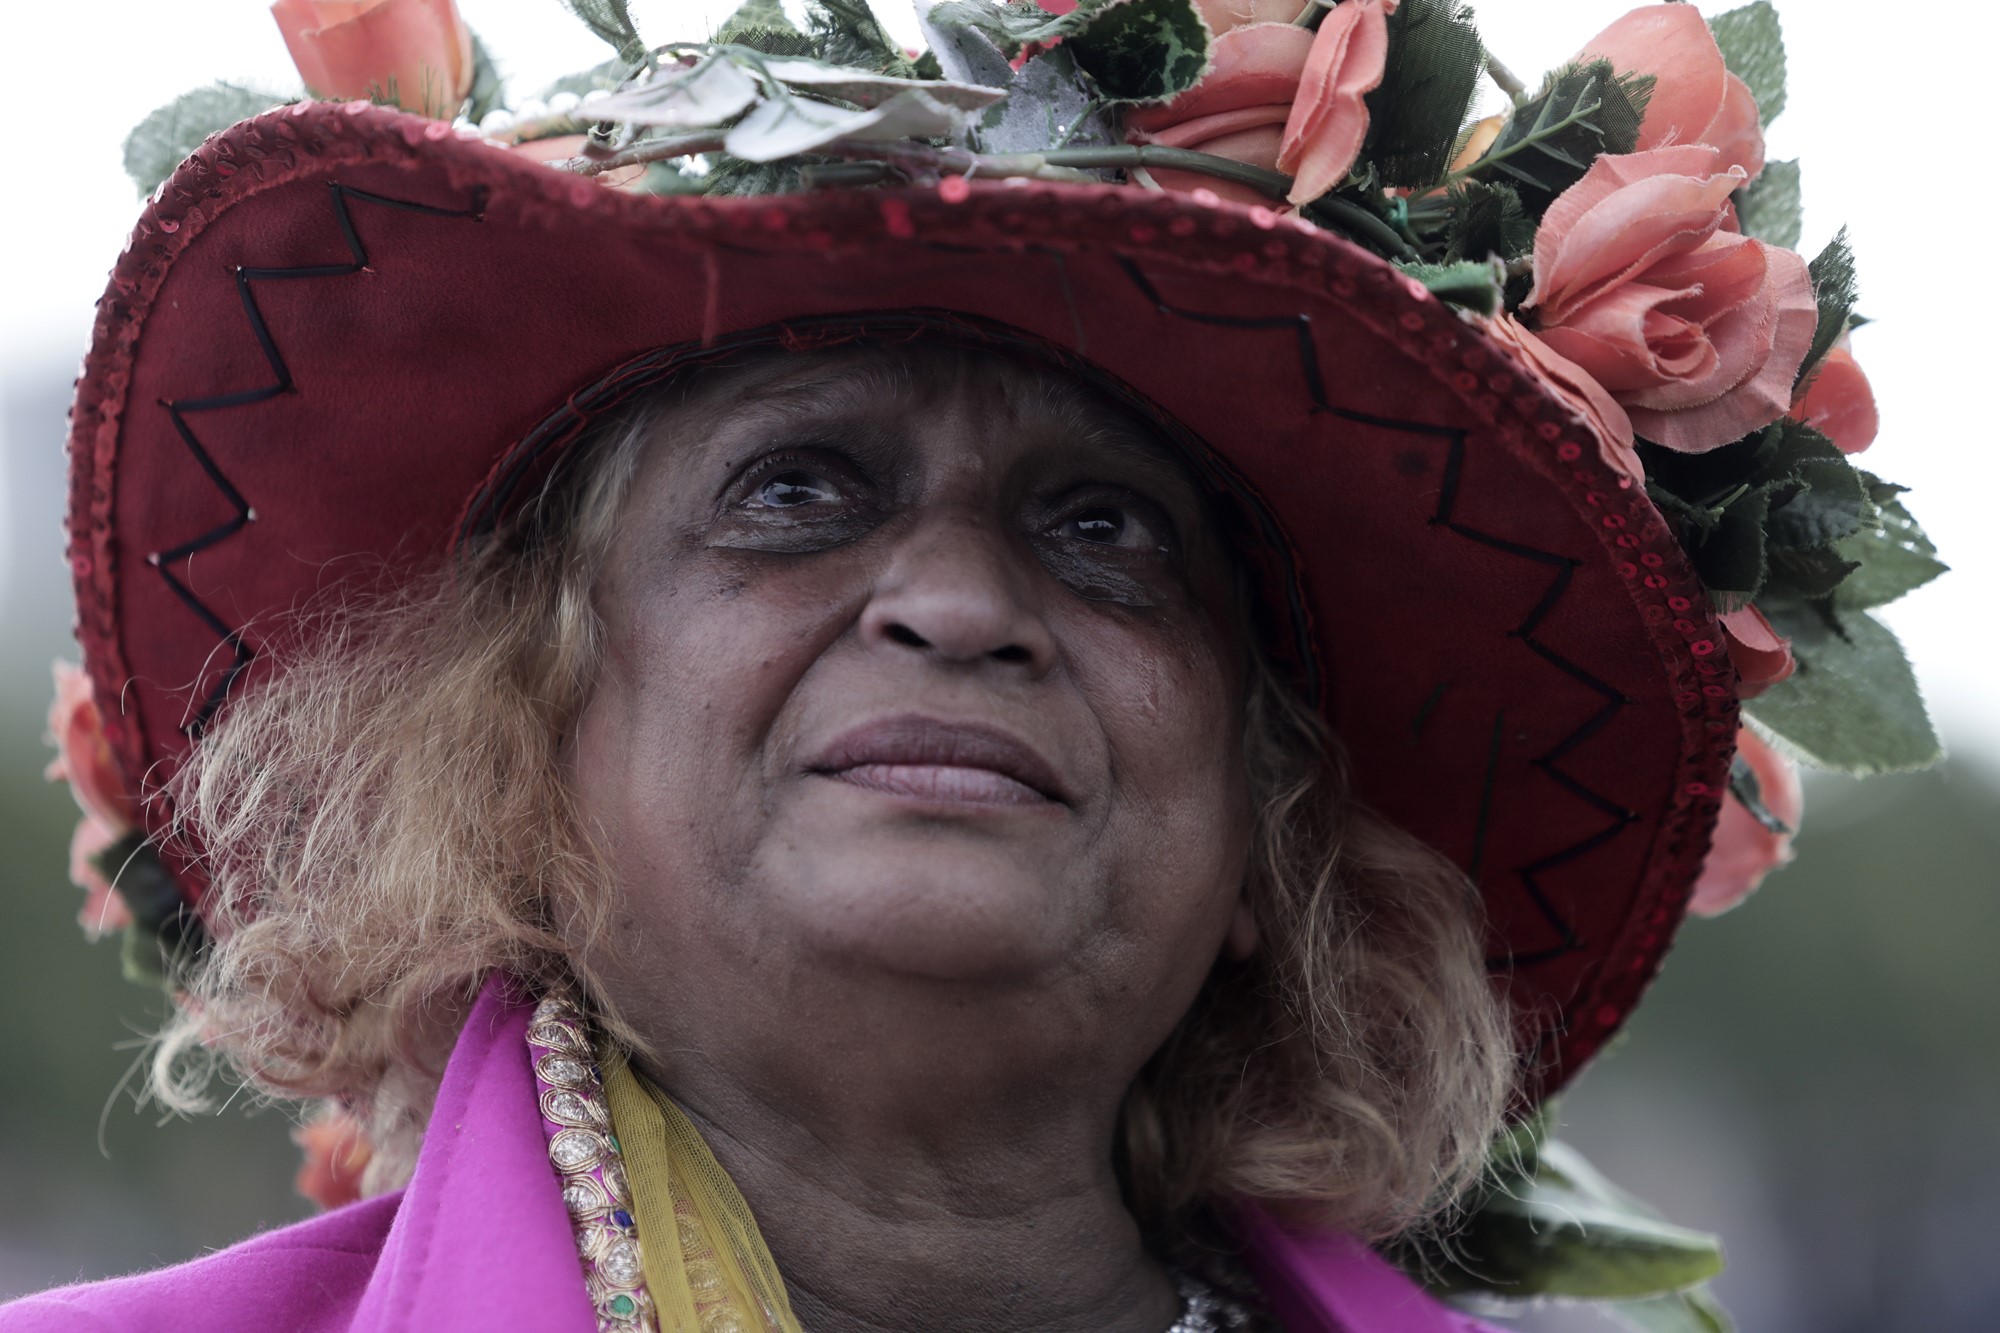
x=932 y=759
x=942 y=782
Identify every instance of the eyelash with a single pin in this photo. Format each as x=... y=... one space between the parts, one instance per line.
x=846 y=478
x=838 y=471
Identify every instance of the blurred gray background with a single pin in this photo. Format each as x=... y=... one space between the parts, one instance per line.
x=1814 y=1077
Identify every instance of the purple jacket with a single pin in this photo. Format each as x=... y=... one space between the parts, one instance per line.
x=479 y=1241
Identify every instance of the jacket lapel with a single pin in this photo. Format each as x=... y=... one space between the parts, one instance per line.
x=1330 y=1282
x=482 y=1240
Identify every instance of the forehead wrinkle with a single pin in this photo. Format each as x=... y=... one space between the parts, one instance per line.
x=811 y=393
x=1087 y=419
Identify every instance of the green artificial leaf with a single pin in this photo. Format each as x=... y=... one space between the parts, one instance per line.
x=866 y=90
x=1748 y=790
x=1487 y=220
x=848 y=33
x=775 y=41
x=1433 y=67
x=1550 y=140
x=1731 y=552
x=713 y=92
x=1469 y=284
x=756 y=16
x=1143 y=50
x=1893 y=557
x=1753 y=46
x=781 y=127
x=611 y=21
x=1852 y=705
x=1565 y=1235
x=1825 y=503
x=1806 y=573
x=1134 y=50
x=161 y=141
x=1770 y=207
x=1763 y=515
x=1834 y=289
x=486 y=83
x=1546 y=1223
x=1046 y=104
x=732 y=175
x=607 y=77
x=165 y=938
x=963 y=51
x=1694 y=1311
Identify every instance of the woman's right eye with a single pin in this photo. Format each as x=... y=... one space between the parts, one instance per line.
x=791 y=489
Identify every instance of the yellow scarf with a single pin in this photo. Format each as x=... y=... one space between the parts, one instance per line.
x=706 y=1264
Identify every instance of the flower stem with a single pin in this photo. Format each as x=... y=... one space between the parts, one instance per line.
x=1066 y=164
x=1509 y=82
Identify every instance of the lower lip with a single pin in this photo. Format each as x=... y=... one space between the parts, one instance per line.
x=941 y=783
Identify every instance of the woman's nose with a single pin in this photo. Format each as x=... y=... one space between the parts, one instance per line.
x=956 y=591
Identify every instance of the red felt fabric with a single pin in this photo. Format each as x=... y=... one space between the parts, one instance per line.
x=1568 y=746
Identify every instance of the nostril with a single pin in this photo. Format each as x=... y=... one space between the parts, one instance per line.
x=903 y=634
x=1012 y=652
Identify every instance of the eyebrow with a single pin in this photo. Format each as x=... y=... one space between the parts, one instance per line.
x=1072 y=408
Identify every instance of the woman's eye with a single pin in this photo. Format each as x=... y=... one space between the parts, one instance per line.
x=790 y=489
x=1111 y=525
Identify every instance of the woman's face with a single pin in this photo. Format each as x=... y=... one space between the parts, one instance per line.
x=923 y=676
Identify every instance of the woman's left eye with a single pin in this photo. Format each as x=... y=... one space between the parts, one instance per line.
x=1116 y=526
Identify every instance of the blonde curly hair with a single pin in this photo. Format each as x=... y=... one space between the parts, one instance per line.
x=383 y=824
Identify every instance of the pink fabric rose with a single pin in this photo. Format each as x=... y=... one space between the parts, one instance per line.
x=1695 y=97
x=1276 y=95
x=420 y=50
x=336 y=1153
x=1839 y=403
x=84 y=760
x=1698 y=331
x=1330 y=118
x=1745 y=850
x=1237 y=111
x=1584 y=394
x=103 y=909
x=1762 y=656
x=83 y=754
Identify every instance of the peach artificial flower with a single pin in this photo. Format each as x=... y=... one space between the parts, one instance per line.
x=1585 y=395
x=83 y=754
x=1744 y=850
x=1762 y=656
x=1484 y=135
x=1695 y=97
x=1329 y=119
x=1839 y=403
x=1696 y=330
x=337 y=1151
x=103 y=909
x=344 y=49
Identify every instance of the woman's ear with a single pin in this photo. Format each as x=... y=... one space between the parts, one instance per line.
x=1241 y=941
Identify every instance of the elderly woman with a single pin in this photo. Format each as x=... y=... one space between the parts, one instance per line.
x=972 y=758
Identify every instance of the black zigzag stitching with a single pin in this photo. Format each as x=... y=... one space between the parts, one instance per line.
x=233 y=640
x=1562 y=570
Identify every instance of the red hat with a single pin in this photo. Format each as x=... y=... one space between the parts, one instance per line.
x=346 y=331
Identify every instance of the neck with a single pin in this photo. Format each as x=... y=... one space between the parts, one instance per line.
x=953 y=1208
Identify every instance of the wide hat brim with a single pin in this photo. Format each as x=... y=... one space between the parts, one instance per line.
x=342 y=334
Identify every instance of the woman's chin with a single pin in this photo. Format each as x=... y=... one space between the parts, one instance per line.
x=933 y=905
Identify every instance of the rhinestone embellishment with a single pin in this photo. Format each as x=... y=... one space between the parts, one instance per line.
x=589 y=1165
